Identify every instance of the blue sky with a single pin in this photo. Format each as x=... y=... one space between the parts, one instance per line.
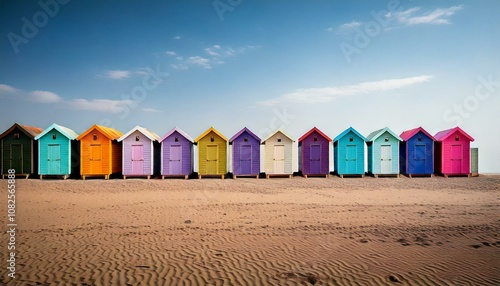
x=260 y=64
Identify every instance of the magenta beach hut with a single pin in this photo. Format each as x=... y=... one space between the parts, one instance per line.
x=453 y=152
x=246 y=153
x=176 y=154
x=138 y=152
x=314 y=153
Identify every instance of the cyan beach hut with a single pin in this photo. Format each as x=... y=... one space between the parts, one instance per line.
x=212 y=153
x=55 y=146
x=20 y=150
x=453 y=152
x=383 y=152
x=417 y=152
x=278 y=154
x=349 y=153
x=246 y=153
x=314 y=153
x=176 y=154
x=138 y=146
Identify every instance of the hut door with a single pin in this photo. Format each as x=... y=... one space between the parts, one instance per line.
x=175 y=163
x=16 y=158
x=419 y=157
x=279 y=159
x=137 y=159
x=245 y=159
x=350 y=160
x=456 y=159
x=315 y=159
x=212 y=159
x=95 y=159
x=54 y=159
x=385 y=159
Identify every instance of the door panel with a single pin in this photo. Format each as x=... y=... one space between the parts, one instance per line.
x=137 y=159
x=16 y=158
x=212 y=159
x=279 y=159
x=175 y=162
x=385 y=159
x=419 y=157
x=315 y=157
x=456 y=159
x=54 y=159
x=245 y=160
x=351 y=159
x=95 y=159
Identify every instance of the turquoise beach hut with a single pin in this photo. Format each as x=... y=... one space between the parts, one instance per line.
x=383 y=152
x=55 y=145
x=349 y=153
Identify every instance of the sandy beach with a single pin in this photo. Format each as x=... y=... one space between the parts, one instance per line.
x=315 y=231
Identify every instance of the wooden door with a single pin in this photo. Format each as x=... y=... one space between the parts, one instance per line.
x=456 y=159
x=245 y=160
x=137 y=156
x=16 y=158
x=351 y=159
x=95 y=159
x=279 y=159
x=419 y=157
x=175 y=160
x=315 y=159
x=212 y=159
x=385 y=159
x=54 y=159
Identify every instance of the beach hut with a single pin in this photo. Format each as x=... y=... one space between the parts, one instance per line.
x=417 y=153
x=20 y=150
x=55 y=147
x=349 y=153
x=212 y=153
x=176 y=154
x=383 y=152
x=278 y=154
x=246 y=153
x=453 y=152
x=100 y=152
x=138 y=146
x=314 y=153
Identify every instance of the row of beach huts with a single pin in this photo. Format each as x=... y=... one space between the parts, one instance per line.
x=102 y=151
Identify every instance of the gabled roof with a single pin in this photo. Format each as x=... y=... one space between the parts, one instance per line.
x=347 y=131
x=406 y=135
x=276 y=131
x=317 y=130
x=65 y=131
x=110 y=133
x=30 y=131
x=184 y=134
x=442 y=135
x=208 y=131
x=148 y=133
x=241 y=132
x=377 y=133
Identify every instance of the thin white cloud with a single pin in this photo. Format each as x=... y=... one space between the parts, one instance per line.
x=150 y=110
x=176 y=38
x=4 y=88
x=199 y=61
x=117 y=74
x=179 y=66
x=100 y=105
x=45 y=96
x=171 y=53
x=327 y=94
x=347 y=27
x=411 y=16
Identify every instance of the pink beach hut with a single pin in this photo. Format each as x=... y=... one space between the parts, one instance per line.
x=453 y=152
x=138 y=152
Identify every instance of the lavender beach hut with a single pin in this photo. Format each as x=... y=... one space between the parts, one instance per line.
x=246 y=153
x=138 y=152
x=176 y=154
